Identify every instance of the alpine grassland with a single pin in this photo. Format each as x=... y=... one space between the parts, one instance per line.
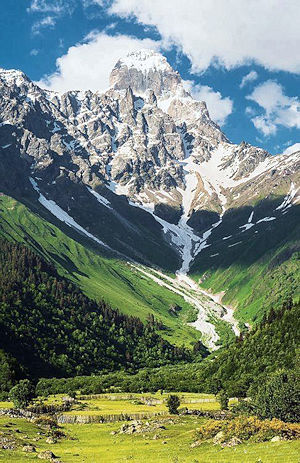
x=164 y=438
x=97 y=273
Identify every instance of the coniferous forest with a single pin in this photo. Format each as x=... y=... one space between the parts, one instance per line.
x=51 y=328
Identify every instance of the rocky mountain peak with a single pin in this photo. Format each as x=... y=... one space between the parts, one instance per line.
x=143 y=70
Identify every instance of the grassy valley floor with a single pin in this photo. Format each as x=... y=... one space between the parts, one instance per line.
x=97 y=443
x=162 y=439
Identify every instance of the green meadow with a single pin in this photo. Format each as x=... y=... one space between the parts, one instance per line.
x=171 y=442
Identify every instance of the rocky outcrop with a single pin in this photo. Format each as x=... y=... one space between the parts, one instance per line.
x=145 y=138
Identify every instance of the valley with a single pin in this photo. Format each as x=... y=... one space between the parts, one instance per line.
x=149 y=277
x=150 y=179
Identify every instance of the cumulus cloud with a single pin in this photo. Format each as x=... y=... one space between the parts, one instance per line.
x=86 y=66
x=219 y=107
x=228 y=33
x=292 y=149
x=278 y=108
x=250 y=77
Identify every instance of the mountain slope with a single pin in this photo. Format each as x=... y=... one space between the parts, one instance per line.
x=271 y=346
x=142 y=173
x=50 y=327
x=99 y=276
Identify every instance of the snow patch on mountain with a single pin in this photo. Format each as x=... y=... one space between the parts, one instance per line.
x=266 y=219
x=249 y=224
x=288 y=199
x=100 y=198
x=205 y=310
x=145 y=60
x=62 y=215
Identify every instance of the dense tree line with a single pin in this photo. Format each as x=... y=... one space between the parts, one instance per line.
x=249 y=361
x=49 y=328
x=270 y=346
x=52 y=329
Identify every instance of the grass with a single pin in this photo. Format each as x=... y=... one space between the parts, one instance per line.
x=117 y=404
x=94 y=443
x=99 y=275
x=253 y=288
x=262 y=271
x=126 y=404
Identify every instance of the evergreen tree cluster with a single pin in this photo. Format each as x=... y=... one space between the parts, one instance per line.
x=270 y=346
x=51 y=328
x=250 y=361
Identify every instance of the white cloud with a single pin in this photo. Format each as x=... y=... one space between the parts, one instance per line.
x=219 y=107
x=34 y=52
x=49 y=6
x=47 y=21
x=292 y=149
x=250 y=111
x=86 y=66
x=264 y=125
x=250 y=77
x=229 y=33
x=279 y=109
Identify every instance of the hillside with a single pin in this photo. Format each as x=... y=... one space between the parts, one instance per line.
x=271 y=346
x=256 y=267
x=99 y=276
x=50 y=327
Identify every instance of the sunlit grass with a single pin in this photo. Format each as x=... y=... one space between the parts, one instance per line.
x=98 y=275
x=94 y=443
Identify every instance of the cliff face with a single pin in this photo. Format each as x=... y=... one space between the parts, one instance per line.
x=143 y=151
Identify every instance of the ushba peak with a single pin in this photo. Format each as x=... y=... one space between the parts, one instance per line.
x=145 y=60
x=143 y=70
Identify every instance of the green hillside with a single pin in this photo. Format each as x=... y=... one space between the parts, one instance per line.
x=96 y=272
x=271 y=346
x=50 y=327
x=257 y=269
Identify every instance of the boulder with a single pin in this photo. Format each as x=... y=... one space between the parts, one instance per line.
x=195 y=444
x=28 y=449
x=51 y=440
x=46 y=455
x=218 y=437
x=276 y=439
x=232 y=442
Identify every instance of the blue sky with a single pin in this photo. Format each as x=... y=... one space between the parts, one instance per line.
x=241 y=56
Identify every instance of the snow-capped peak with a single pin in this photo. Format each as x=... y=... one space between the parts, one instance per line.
x=13 y=76
x=145 y=60
x=143 y=70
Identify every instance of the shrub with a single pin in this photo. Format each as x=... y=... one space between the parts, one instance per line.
x=72 y=394
x=22 y=394
x=249 y=428
x=223 y=399
x=173 y=403
x=278 y=397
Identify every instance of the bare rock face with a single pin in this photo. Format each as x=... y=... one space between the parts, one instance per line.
x=145 y=138
x=134 y=138
x=143 y=70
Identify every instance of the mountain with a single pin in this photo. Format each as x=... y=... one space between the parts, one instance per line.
x=142 y=173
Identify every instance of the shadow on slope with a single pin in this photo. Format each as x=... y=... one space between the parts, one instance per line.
x=256 y=266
